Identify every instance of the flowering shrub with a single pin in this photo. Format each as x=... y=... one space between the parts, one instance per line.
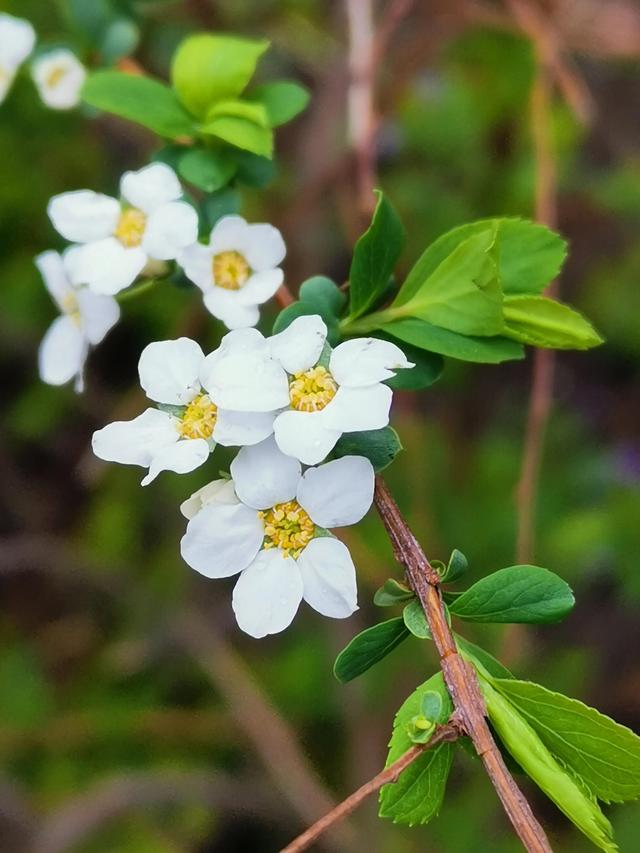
x=309 y=405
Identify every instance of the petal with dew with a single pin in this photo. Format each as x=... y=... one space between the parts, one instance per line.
x=365 y=361
x=329 y=577
x=222 y=539
x=264 y=476
x=267 y=594
x=305 y=436
x=299 y=346
x=337 y=493
x=357 y=409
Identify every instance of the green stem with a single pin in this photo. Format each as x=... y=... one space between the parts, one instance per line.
x=139 y=289
x=372 y=321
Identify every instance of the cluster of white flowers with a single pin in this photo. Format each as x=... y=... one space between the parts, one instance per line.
x=117 y=240
x=58 y=73
x=285 y=401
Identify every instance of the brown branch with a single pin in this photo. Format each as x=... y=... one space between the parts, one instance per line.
x=446 y=733
x=459 y=676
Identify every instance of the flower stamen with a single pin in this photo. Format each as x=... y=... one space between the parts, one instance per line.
x=287 y=526
x=312 y=390
x=130 y=227
x=230 y=270
x=55 y=76
x=200 y=418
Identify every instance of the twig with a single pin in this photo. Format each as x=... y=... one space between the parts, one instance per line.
x=459 y=676
x=447 y=733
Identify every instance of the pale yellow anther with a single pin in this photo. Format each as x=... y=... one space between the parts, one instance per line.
x=130 y=227
x=312 y=390
x=199 y=419
x=55 y=76
x=230 y=270
x=287 y=526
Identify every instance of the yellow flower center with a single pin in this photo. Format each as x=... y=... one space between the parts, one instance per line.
x=55 y=76
x=312 y=390
x=287 y=526
x=130 y=227
x=199 y=418
x=230 y=270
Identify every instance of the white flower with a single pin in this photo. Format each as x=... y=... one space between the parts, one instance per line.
x=59 y=76
x=264 y=525
x=181 y=434
x=119 y=239
x=17 y=38
x=85 y=319
x=319 y=394
x=238 y=270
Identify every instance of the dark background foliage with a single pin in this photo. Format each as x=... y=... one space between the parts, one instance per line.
x=134 y=715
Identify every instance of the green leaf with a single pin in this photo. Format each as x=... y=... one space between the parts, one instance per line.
x=415 y=620
x=380 y=446
x=537 y=761
x=252 y=170
x=318 y=295
x=369 y=647
x=463 y=347
x=120 y=38
x=208 y=170
x=282 y=99
x=238 y=108
x=463 y=294
x=241 y=132
x=456 y=567
x=604 y=754
x=392 y=592
x=224 y=202
x=431 y=706
x=516 y=594
x=374 y=257
x=428 y=368
x=529 y=255
x=418 y=794
x=208 y=68
x=139 y=99
x=481 y=658
x=544 y=322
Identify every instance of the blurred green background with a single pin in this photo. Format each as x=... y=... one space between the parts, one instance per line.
x=134 y=715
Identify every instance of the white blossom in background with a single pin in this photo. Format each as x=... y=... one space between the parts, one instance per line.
x=17 y=38
x=318 y=393
x=118 y=239
x=237 y=270
x=269 y=525
x=85 y=318
x=59 y=76
x=183 y=431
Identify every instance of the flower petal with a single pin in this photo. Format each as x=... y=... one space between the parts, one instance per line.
x=226 y=306
x=197 y=262
x=17 y=38
x=59 y=76
x=106 y=266
x=329 y=577
x=237 y=429
x=150 y=187
x=264 y=248
x=357 y=409
x=260 y=287
x=52 y=269
x=216 y=492
x=267 y=594
x=136 y=442
x=230 y=233
x=84 y=216
x=305 y=436
x=264 y=476
x=62 y=352
x=98 y=314
x=242 y=377
x=222 y=539
x=182 y=457
x=365 y=361
x=299 y=347
x=337 y=493
x=169 y=229
x=169 y=371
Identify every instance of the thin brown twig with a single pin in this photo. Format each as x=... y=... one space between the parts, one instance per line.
x=459 y=676
x=446 y=733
